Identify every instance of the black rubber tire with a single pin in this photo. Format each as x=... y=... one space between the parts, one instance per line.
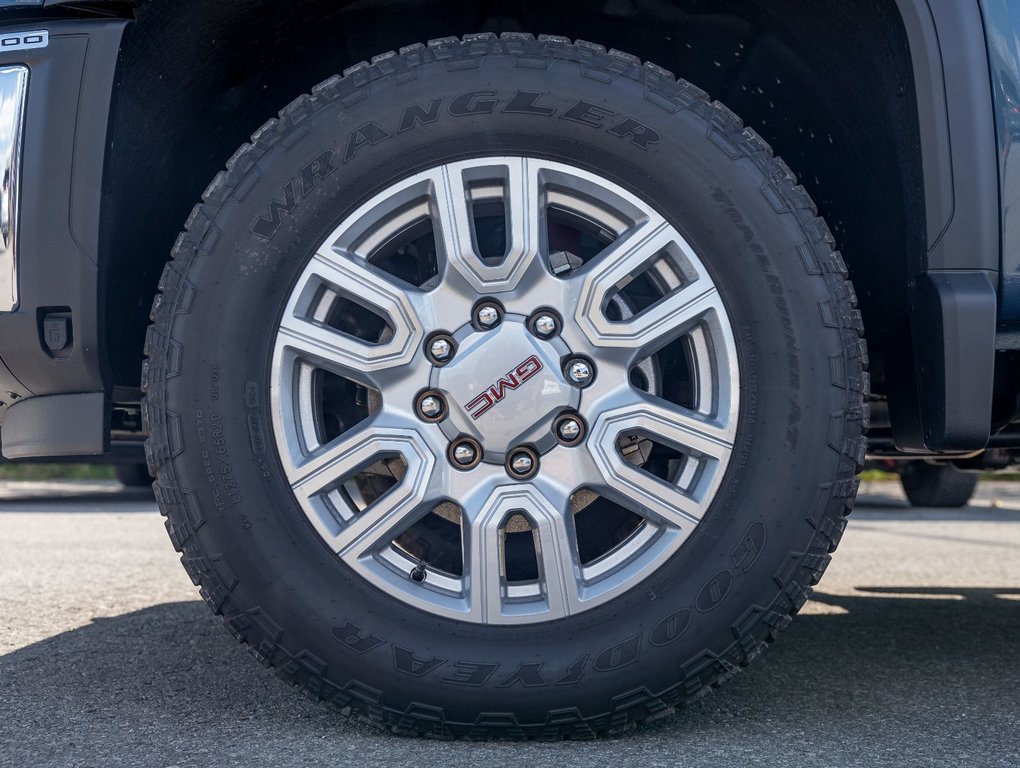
x=133 y=475
x=937 y=485
x=712 y=608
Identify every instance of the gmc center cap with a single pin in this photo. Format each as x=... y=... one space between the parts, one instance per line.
x=504 y=388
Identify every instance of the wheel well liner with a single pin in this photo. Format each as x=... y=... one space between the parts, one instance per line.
x=831 y=85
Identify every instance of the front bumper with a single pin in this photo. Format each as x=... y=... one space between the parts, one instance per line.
x=56 y=81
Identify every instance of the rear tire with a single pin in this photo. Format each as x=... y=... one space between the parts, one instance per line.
x=937 y=485
x=133 y=475
x=263 y=558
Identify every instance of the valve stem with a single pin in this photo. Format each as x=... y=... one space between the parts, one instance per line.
x=418 y=573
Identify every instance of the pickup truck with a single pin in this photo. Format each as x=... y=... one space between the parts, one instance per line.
x=496 y=376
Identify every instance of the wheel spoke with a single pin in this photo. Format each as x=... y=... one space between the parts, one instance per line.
x=386 y=518
x=483 y=577
x=652 y=328
x=690 y=433
x=680 y=427
x=311 y=473
x=353 y=450
x=525 y=216
x=557 y=558
x=401 y=306
x=453 y=218
x=339 y=461
x=671 y=317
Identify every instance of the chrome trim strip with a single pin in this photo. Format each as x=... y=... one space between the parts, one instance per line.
x=24 y=41
x=13 y=91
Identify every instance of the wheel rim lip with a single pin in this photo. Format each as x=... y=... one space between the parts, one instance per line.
x=609 y=576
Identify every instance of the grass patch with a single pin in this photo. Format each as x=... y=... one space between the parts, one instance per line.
x=873 y=475
x=56 y=472
x=879 y=475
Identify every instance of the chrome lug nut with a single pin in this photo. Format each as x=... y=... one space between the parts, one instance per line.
x=569 y=429
x=464 y=453
x=522 y=463
x=487 y=316
x=441 y=349
x=580 y=372
x=430 y=406
x=545 y=326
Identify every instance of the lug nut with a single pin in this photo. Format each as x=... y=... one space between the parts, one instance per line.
x=522 y=463
x=441 y=349
x=465 y=453
x=544 y=323
x=487 y=316
x=580 y=372
x=545 y=326
x=569 y=429
x=430 y=406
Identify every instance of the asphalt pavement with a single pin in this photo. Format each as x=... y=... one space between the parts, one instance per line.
x=906 y=656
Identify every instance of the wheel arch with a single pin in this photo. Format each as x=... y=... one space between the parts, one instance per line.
x=846 y=98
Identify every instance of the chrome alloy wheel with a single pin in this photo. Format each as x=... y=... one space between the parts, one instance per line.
x=505 y=390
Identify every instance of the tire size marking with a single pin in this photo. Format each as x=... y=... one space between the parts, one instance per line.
x=215 y=458
x=418 y=115
x=212 y=438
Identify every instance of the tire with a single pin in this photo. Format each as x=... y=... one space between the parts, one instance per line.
x=937 y=485
x=133 y=475
x=254 y=546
